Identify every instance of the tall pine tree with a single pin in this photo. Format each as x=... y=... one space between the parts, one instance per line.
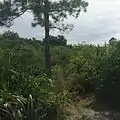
x=49 y=14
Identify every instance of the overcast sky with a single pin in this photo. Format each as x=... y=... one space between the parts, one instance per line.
x=98 y=25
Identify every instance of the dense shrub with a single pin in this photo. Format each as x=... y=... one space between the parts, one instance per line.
x=76 y=70
x=109 y=75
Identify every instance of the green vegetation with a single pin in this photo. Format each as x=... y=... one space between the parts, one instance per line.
x=39 y=80
x=27 y=92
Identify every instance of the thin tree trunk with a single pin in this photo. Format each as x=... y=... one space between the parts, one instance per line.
x=47 y=46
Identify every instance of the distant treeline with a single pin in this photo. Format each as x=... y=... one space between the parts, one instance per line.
x=14 y=37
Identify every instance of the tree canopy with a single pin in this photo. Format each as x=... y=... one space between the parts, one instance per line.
x=58 y=11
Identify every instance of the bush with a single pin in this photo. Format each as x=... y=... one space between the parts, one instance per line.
x=108 y=82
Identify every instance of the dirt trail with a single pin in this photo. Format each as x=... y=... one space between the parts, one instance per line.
x=77 y=112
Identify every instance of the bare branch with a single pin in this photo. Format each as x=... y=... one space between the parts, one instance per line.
x=53 y=27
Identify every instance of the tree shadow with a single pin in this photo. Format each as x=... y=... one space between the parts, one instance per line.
x=100 y=106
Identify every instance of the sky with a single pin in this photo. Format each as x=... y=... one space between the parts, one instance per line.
x=96 y=26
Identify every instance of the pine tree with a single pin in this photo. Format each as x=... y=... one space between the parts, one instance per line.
x=49 y=14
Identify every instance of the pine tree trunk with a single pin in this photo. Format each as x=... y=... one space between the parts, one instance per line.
x=47 y=46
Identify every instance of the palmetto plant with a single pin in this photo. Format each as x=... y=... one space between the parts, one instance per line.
x=33 y=111
x=46 y=100
x=10 y=106
x=18 y=108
